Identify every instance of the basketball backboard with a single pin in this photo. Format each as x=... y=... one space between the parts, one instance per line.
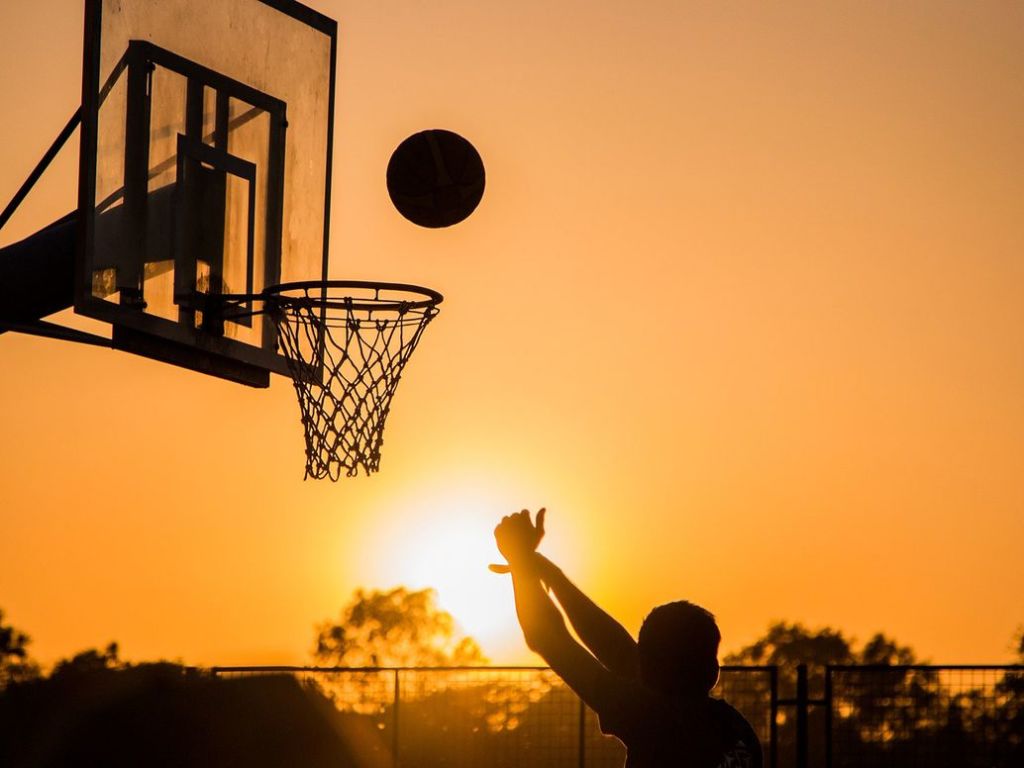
x=205 y=169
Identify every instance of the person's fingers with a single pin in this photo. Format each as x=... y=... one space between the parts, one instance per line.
x=540 y=520
x=494 y=568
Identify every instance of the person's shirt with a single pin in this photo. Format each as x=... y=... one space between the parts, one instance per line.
x=661 y=732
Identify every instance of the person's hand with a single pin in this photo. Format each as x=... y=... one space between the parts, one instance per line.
x=517 y=537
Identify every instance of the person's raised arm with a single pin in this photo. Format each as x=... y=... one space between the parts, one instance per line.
x=600 y=632
x=603 y=635
x=543 y=626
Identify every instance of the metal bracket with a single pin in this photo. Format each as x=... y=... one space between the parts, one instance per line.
x=41 y=166
x=54 y=331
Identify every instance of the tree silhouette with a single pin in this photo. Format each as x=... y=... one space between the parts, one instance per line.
x=89 y=662
x=92 y=713
x=1006 y=726
x=15 y=664
x=485 y=714
x=388 y=628
x=788 y=645
x=395 y=628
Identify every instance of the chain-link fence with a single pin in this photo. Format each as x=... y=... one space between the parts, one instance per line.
x=502 y=717
x=906 y=716
x=857 y=717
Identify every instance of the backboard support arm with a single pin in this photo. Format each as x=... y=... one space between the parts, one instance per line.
x=41 y=166
x=54 y=331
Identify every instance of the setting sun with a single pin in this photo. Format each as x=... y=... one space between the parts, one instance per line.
x=448 y=547
x=733 y=290
x=740 y=305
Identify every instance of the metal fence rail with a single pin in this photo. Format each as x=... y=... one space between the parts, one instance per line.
x=504 y=717
x=935 y=716
x=964 y=716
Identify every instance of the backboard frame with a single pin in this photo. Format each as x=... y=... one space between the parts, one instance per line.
x=178 y=343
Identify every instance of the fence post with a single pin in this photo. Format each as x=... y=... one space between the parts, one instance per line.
x=801 y=716
x=394 y=720
x=828 y=717
x=773 y=726
x=582 y=735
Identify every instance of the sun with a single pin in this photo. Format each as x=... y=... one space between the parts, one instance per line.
x=448 y=547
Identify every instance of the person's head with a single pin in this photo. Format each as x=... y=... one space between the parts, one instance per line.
x=678 y=649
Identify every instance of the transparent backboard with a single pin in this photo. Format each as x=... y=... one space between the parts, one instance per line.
x=205 y=170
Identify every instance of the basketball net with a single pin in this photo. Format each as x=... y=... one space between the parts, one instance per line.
x=347 y=344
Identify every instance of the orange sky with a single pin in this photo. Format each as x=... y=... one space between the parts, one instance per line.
x=741 y=306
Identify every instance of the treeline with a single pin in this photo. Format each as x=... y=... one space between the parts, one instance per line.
x=889 y=708
x=94 y=708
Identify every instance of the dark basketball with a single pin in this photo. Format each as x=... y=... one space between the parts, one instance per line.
x=435 y=178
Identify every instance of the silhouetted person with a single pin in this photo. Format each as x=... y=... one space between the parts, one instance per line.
x=651 y=693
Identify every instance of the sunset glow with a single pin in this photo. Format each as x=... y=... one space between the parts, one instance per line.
x=442 y=550
x=741 y=305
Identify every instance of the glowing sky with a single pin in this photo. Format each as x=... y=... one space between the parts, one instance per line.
x=741 y=305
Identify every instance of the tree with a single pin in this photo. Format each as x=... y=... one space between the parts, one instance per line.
x=883 y=650
x=97 y=711
x=1008 y=721
x=789 y=645
x=90 y=662
x=15 y=664
x=399 y=627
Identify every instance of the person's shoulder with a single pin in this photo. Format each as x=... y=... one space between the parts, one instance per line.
x=628 y=707
x=724 y=709
x=743 y=747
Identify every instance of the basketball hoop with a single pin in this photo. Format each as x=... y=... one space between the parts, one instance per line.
x=346 y=343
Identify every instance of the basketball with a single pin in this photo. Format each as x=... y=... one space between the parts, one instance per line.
x=435 y=178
